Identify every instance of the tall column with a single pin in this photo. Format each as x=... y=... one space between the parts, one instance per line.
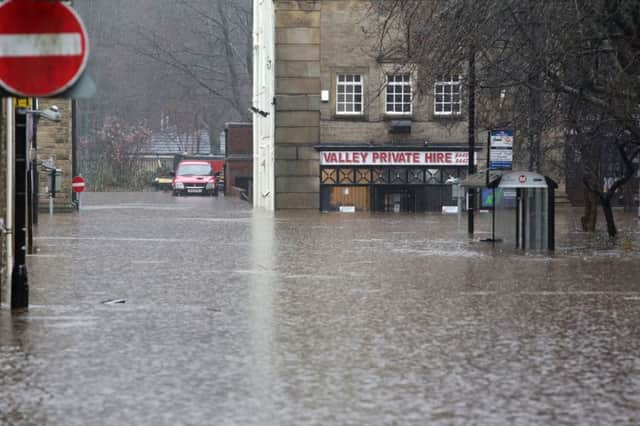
x=297 y=104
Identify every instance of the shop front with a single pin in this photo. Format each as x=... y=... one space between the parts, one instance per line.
x=390 y=179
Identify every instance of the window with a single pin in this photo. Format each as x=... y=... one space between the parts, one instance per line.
x=349 y=94
x=398 y=94
x=447 y=99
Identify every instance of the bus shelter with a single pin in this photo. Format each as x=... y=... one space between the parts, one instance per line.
x=523 y=209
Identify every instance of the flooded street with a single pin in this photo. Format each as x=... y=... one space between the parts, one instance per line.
x=235 y=317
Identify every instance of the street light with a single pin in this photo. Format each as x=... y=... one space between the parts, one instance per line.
x=52 y=113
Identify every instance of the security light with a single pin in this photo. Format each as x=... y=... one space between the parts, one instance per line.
x=52 y=113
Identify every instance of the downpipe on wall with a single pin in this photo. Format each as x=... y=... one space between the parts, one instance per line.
x=9 y=179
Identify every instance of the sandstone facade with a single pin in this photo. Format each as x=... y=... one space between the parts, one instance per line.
x=315 y=41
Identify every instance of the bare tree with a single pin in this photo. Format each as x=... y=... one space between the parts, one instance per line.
x=208 y=45
x=543 y=56
x=152 y=58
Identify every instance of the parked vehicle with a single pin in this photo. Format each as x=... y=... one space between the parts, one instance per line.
x=195 y=177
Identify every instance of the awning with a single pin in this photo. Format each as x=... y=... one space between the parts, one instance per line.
x=479 y=179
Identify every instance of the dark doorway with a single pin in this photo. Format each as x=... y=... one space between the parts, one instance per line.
x=415 y=199
x=395 y=199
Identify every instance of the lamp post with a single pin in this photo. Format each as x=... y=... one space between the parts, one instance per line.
x=472 y=138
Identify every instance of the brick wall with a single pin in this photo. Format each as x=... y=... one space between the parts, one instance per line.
x=240 y=139
x=239 y=155
x=54 y=141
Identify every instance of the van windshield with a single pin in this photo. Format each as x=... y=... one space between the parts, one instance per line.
x=194 y=170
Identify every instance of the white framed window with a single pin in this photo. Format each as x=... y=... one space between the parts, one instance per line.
x=399 y=96
x=447 y=99
x=349 y=94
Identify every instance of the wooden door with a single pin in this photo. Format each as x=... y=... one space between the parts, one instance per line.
x=357 y=196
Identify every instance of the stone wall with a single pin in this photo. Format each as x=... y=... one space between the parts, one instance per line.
x=349 y=32
x=54 y=141
x=297 y=104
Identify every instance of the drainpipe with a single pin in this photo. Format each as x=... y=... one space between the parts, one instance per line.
x=10 y=160
x=75 y=196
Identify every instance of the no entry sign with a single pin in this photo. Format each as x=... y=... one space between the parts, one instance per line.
x=77 y=184
x=43 y=47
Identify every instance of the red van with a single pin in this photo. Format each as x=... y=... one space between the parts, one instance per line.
x=195 y=177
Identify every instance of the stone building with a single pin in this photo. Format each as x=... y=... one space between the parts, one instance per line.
x=54 y=141
x=350 y=130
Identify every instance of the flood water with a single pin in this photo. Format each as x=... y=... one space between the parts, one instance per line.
x=235 y=317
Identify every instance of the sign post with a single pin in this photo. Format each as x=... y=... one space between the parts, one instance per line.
x=43 y=47
x=499 y=157
x=77 y=186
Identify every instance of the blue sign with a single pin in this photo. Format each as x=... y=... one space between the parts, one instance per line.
x=500 y=165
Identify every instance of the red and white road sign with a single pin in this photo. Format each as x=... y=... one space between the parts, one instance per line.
x=77 y=184
x=43 y=47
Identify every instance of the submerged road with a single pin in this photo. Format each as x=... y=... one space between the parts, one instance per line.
x=235 y=317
